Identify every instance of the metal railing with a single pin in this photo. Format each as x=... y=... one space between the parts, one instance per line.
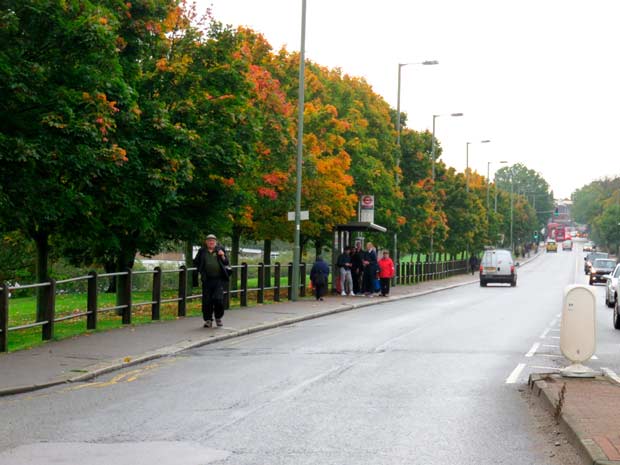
x=268 y=278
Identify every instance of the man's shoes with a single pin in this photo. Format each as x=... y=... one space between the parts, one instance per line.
x=321 y=299
x=219 y=323
x=351 y=294
x=343 y=294
x=207 y=324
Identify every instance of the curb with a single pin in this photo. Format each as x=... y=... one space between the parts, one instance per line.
x=589 y=451
x=118 y=364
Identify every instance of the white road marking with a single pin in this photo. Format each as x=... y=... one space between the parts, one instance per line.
x=550 y=345
x=545 y=332
x=533 y=350
x=555 y=337
x=550 y=355
x=553 y=322
x=515 y=374
x=555 y=330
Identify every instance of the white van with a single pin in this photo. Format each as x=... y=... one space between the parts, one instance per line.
x=498 y=266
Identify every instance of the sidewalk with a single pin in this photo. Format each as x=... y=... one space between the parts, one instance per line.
x=89 y=355
x=589 y=414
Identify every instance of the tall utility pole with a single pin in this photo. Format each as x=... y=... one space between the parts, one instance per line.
x=300 y=149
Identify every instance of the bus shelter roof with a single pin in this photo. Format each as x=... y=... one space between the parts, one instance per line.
x=356 y=226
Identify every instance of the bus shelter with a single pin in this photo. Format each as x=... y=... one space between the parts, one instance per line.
x=344 y=235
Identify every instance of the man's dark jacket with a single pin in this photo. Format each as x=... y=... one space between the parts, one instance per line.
x=199 y=263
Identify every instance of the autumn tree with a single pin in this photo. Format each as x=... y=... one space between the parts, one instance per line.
x=61 y=89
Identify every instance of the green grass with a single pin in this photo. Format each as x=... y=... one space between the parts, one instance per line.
x=22 y=311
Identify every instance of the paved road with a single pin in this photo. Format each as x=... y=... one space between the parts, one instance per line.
x=431 y=380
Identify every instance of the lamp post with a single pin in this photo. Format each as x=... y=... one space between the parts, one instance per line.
x=433 y=166
x=512 y=248
x=433 y=141
x=300 y=134
x=400 y=65
x=495 y=187
x=486 y=141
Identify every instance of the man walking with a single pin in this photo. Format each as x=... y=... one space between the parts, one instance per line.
x=212 y=264
x=344 y=264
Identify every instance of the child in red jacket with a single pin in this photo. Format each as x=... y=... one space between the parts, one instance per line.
x=386 y=272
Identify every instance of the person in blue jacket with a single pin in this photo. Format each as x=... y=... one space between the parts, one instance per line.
x=318 y=277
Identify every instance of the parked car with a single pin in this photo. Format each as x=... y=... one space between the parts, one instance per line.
x=588 y=246
x=611 y=290
x=600 y=268
x=498 y=266
x=552 y=246
x=567 y=245
x=589 y=259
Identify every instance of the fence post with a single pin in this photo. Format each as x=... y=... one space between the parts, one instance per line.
x=91 y=302
x=227 y=294
x=50 y=311
x=182 y=310
x=156 y=305
x=302 y=280
x=260 y=295
x=4 y=317
x=244 y=285
x=290 y=281
x=276 y=277
x=126 y=312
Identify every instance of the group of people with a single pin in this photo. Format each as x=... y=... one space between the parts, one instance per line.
x=361 y=272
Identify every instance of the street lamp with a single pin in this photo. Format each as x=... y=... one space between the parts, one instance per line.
x=433 y=140
x=433 y=165
x=300 y=147
x=486 y=141
x=400 y=65
x=494 y=186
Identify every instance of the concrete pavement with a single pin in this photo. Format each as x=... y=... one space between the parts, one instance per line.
x=588 y=410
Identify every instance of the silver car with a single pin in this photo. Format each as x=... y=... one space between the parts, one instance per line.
x=611 y=290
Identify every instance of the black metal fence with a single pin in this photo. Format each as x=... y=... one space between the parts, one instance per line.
x=267 y=277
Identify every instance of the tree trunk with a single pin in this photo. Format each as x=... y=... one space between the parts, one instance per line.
x=318 y=248
x=110 y=267
x=124 y=261
x=267 y=261
x=42 y=271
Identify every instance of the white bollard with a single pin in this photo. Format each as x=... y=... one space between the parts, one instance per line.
x=578 y=330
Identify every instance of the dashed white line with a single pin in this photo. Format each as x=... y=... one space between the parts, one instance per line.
x=533 y=350
x=550 y=345
x=545 y=332
x=553 y=322
x=514 y=376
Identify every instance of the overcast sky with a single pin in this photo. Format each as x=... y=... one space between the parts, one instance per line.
x=540 y=78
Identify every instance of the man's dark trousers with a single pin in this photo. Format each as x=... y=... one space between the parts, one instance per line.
x=212 y=298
